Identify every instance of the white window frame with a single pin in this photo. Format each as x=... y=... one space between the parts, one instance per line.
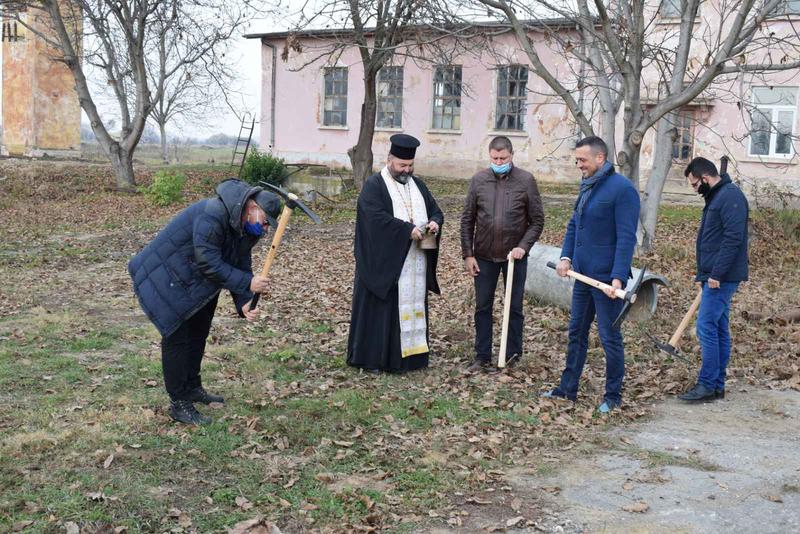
x=397 y=113
x=439 y=111
x=773 y=117
x=325 y=96
x=521 y=114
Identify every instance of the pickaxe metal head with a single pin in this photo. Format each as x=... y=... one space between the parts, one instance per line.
x=291 y=201
x=669 y=349
x=629 y=301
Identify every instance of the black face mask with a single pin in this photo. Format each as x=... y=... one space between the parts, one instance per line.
x=703 y=188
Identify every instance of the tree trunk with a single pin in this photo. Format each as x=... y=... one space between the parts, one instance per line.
x=164 y=149
x=662 y=162
x=608 y=131
x=361 y=154
x=122 y=161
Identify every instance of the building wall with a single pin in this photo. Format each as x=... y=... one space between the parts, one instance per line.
x=41 y=113
x=544 y=147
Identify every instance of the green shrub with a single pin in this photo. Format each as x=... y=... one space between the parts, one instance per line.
x=167 y=187
x=263 y=167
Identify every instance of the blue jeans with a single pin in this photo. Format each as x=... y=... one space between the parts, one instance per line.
x=586 y=301
x=485 y=286
x=714 y=333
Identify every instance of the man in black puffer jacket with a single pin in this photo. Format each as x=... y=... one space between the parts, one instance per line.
x=178 y=276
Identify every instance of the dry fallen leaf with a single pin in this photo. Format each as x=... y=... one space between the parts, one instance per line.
x=108 y=461
x=257 y=525
x=243 y=503
x=515 y=521
x=774 y=498
x=71 y=527
x=637 y=507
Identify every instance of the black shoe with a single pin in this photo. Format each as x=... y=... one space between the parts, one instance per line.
x=478 y=365
x=698 y=393
x=513 y=360
x=199 y=394
x=719 y=393
x=184 y=411
x=372 y=371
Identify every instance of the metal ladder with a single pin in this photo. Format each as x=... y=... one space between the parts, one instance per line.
x=246 y=129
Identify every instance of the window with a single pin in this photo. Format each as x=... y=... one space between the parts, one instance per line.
x=447 y=97
x=683 y=149
x=670 y=9
x=335 y=105
x=390 y=98
x=787 y=7
x=511 y=94
x=772 y=121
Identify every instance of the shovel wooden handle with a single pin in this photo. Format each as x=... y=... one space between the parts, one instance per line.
x=283 y=222
x=501 y=359
x=630 y=296
x=676 y=337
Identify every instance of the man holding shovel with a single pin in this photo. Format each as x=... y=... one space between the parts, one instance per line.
x=502 y=217
x=599 y=243
x=179 y=275
x=721 y=265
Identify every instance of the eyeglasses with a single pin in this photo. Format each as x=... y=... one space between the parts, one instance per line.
x=693 y=183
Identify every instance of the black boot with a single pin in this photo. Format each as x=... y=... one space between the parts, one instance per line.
x=184 y=411
x=698 y=393
x=199 y=394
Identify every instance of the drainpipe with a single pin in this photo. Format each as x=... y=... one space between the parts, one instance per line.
x=272 y=94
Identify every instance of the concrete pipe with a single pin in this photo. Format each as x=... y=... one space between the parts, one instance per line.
x=544 y=284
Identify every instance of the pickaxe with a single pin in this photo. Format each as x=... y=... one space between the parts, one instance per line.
x=629 y=295
x=290 y=203
x=509 y=280
x=671 y=348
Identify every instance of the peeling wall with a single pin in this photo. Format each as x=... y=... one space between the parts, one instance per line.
x=41 y=113
x=545 y=147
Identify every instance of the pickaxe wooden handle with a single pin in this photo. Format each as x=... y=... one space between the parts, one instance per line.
x=676 y=337
x=629 y=296
x=283 y=222
x=501 y=359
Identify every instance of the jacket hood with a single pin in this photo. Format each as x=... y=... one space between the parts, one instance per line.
x=234 y=194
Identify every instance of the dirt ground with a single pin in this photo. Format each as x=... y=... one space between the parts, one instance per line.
x=728 y=466
x=482 y=453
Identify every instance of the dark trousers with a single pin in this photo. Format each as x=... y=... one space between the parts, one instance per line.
x=485 y=286
x=182 y=352
x=586 y=302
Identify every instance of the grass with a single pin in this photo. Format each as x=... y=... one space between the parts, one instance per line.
x=308 y=443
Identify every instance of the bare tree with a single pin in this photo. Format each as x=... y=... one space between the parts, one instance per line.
x=618 y=42
x=380 y=30
x=115 y=37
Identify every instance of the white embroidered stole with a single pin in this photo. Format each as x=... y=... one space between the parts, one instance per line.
x=408 y=205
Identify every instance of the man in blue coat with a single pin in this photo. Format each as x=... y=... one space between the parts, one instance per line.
x=721 y=265
x=599 y=243
x=179 y=275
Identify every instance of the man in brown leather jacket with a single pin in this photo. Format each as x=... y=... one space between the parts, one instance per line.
x=502 y=217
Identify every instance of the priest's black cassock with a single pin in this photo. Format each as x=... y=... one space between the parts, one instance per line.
x=381 y=244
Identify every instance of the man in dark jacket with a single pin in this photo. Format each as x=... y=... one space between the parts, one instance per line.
x=502 y=217
x=721 y=265
x=600 y=239
x=178 y=276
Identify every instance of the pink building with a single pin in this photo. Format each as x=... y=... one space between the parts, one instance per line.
x=311 y=114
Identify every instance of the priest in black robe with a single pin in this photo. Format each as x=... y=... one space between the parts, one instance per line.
x=389 y=320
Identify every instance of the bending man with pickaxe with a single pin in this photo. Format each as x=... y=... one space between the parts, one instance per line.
x=599 y=243
x=178 y=277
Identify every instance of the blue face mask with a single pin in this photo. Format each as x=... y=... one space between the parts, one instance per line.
x=501 y=169
x=253 y=229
